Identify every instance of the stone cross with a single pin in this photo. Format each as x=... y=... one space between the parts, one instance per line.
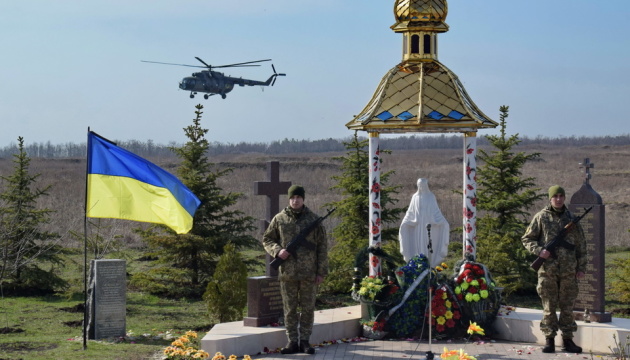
x=264 y=301
x=273 y=188
x=587 y=165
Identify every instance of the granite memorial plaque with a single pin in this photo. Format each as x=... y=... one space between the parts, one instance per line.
x=108 y=299
x=592 y=287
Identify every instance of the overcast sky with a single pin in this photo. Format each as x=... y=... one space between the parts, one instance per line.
x=563 y=66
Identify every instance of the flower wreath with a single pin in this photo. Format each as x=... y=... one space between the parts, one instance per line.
x=445 y=311
x=473 y=283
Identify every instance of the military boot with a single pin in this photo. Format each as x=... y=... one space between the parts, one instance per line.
x=550 y=345
x=305 y=347
x=570 y=347
x=291 y=348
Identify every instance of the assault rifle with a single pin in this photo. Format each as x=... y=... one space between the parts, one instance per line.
x=559 y=240
x=300 y=240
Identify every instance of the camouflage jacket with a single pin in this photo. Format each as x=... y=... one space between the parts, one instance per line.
x=310 y=262
x=545 y=225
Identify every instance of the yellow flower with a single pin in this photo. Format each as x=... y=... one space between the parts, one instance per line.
x=476 y=297
x=473 y=328
x=439 y=268
x=448 y=353
x=444 y=296
x=444 y=265
x=441 y=320
x=448 y=314
x=456 y=355
x=218 y=356
x=184 y=339
x=233 y=357
x=448 y=303
x=178 y=343
x=191 y=334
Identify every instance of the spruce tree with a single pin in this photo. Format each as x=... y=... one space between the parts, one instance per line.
x=226 y=293
x=504 y=197
x=351 y=236
x=188 y=261
x=24 y=242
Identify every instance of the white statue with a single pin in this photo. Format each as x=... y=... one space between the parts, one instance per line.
x=413 y=235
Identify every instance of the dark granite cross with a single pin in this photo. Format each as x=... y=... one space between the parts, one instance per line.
x=587 y=165
x=273 y=188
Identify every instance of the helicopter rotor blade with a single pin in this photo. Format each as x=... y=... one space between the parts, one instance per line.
x=165 y=63
x=242 y=64
x=203 y=62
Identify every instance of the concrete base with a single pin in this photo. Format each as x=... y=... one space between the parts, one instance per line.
x=522 y=325
x=237 y=339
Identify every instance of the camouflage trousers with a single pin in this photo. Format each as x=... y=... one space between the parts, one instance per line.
x=557 y=292
x=298 y=300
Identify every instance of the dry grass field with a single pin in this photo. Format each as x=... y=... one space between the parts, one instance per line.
x=443 y=169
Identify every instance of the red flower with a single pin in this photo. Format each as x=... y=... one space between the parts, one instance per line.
x=470 y=187
x=439 y=328
x=470 y=150
x=450 y=323
x=483 y=286
x=376 y=187
x=376 y=205
x=456 y=314
x=469 y=228
x=472 y=289
x=473 y=201
x=375 y=230
x=460 y=296
x=375 y=261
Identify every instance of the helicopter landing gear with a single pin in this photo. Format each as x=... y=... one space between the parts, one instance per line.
x=205 y=96
x=223 y=96
x=192 y=96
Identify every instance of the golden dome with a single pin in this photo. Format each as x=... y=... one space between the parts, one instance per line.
x=421 y=10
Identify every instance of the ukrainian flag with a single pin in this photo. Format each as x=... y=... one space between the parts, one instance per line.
x=122 y=185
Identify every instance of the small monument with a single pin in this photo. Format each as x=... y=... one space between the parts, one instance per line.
x=591 y=296
x=107 y=299
x=264 y=302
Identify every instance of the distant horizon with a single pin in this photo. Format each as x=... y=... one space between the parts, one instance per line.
x=385 y=137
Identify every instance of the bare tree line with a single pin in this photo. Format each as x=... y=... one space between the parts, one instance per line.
x=293 y=146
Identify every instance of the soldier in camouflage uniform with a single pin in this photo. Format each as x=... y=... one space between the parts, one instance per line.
x=557 y=277
x=299 y=276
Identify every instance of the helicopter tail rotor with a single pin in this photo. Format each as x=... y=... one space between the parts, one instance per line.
x=275 y=75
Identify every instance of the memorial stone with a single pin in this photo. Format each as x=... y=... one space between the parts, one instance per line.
x=592 y=286
x=264 y=302
x=107 y=299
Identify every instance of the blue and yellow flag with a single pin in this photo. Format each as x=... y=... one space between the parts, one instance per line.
x=122 y=185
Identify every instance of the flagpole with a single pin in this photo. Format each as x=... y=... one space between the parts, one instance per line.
x=85 y=297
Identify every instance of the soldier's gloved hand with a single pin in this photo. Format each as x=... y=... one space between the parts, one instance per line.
x=544 y=254
x=283 y=254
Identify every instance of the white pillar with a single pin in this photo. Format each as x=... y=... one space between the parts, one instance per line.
x=470 y=195
x=375 y=202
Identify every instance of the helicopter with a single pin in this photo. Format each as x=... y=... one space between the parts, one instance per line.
x=212 y=82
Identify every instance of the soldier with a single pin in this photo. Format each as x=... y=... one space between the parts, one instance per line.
x=557 y=277
x=300 y=275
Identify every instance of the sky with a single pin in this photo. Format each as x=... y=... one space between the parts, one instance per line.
x=562 y=66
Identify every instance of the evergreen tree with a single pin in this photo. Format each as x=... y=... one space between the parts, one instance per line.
x=191 y=258
x=226 y=294
x=505 y=196
x=352 y=234
x=23 y=240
